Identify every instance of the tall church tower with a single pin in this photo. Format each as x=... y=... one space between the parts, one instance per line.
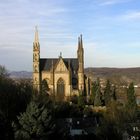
x=36 y=58
x=80 y=55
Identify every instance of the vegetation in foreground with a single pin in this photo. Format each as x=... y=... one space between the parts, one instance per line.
x=26 y=115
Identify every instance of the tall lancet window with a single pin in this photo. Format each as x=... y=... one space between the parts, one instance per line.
x=60 y=88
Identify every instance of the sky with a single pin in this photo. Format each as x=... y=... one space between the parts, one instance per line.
x=110 y=29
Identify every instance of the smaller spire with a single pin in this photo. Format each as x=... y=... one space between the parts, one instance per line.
x=36 y=35
x=81 y=41
x=81 y=36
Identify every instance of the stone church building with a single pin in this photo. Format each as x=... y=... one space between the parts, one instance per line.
x=62 y=76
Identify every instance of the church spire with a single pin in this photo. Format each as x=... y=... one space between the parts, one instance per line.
x=36 y=61
x=80 y=51
x=80 y=56
x=36 y=35
x=81 y=42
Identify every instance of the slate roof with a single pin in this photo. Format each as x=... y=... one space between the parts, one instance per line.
x=46 y=63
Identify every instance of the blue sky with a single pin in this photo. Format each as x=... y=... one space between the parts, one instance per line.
x=110 y=28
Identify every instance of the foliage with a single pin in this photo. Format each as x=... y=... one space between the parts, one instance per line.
x=40 y=117
x=113 y=122
x=43 y=119
x=93 y=92
x=14 y=97
x=6 y=132
x=114 y=97
x=81 y=100
x=107 y=93
x=43 y=99
x=96 y=95
x=76 y=111
x=62 y=110
x=44 y=87
x=35 y=123
x=88 y=112
x=3 y=72
x=131 y=100
x=97 y=101
x=74 y=99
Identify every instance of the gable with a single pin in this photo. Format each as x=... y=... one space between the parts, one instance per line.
x=60 y=66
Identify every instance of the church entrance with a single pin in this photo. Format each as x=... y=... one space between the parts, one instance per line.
x=60 y=89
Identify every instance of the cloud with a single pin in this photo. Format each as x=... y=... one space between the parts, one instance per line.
x=133 y=15
x=112 y=2
x=59 y=24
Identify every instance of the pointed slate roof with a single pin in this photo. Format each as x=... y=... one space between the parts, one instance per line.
x=46 y=63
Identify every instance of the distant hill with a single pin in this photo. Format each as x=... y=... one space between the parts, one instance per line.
x=121 y=77
x=116 y=75
x=20 y=74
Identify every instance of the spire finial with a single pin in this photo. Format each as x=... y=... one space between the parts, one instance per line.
x=36 y=35
x=81 y=41
x=81 y=36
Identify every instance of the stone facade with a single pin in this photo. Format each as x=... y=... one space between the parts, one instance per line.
x=62 y=76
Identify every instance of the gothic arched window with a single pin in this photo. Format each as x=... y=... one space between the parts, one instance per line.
x=60 y=88
x=74 y=83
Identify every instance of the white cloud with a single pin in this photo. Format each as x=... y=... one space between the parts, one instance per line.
x=59 y=24
x=133 y=15
x=112 y=2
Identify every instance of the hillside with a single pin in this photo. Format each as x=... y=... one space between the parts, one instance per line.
x=121 y=77
x=20 y=74
x=116 y=75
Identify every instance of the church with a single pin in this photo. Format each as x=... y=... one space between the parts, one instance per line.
x=60 y=76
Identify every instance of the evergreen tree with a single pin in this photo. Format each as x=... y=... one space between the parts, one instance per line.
x=35 y=123
x=114 y=94
x=96 y=92
x=81 y=100
x=131 y=100
x=97 y=100
x=93 y=92
x=3 y=72
x=107 y=93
